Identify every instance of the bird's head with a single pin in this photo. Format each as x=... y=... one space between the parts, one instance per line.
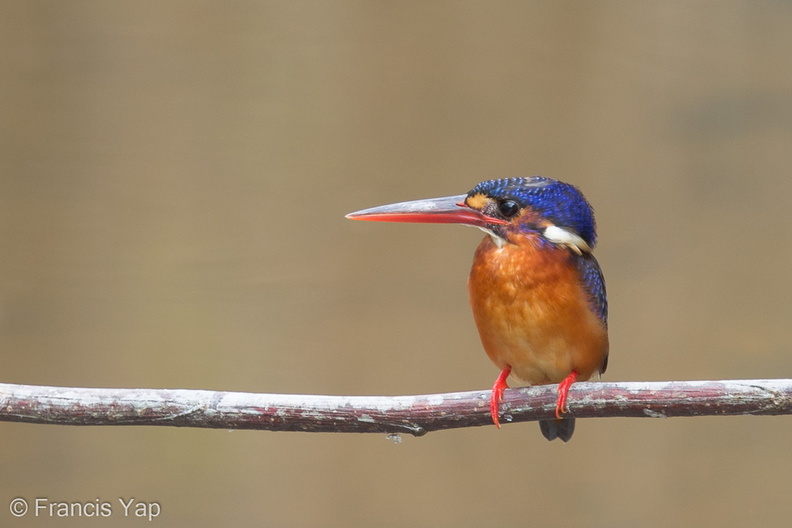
x=510 y=210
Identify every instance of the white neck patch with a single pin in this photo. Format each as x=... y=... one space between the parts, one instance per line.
x=500 y=242
x=554 y=234
x=559 y=235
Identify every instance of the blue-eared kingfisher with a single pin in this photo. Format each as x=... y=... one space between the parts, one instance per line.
x=536 y=290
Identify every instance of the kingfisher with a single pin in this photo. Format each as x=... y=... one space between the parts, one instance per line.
x=536 y=290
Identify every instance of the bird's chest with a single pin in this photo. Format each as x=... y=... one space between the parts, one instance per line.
x=532 y=312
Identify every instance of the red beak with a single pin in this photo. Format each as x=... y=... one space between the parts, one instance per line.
x=446 y=210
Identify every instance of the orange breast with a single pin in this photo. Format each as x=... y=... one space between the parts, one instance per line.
x=533 y=314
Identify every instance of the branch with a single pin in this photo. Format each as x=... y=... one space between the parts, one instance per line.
x=415 y=415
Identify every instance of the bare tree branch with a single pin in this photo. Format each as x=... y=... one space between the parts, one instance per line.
x=415 y=415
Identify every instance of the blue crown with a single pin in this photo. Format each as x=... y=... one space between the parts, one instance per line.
x=561 y=203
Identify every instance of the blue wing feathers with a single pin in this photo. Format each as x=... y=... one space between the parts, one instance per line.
x=594 y=283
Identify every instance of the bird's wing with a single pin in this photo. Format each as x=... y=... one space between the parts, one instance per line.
x=594 y=283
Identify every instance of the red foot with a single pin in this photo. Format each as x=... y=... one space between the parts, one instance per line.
x=563 y=390
x=497 y=395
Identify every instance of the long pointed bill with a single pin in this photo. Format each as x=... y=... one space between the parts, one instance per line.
x=446 y=210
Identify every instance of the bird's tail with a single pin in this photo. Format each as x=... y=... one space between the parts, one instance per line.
x=563 y=429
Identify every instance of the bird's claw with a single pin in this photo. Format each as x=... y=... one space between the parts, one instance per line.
x=563 y=391
x=497 y=395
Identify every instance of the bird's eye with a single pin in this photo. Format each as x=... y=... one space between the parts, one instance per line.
x=508 y=208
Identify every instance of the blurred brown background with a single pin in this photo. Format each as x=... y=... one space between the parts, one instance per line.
x=173 y=183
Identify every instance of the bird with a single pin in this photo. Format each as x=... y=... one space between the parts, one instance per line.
x=536 y=291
